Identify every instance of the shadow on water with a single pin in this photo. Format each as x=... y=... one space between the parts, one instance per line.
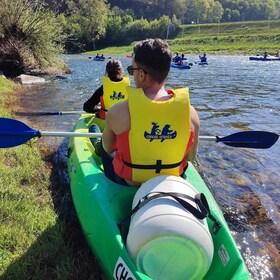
x=73 y=259
x=252 y=220
x=249 y=200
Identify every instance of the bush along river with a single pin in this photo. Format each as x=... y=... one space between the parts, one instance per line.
x=231 y=94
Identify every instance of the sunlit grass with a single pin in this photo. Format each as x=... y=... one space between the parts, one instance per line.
x=40 y=237
x=6 y=86
x=220 y=38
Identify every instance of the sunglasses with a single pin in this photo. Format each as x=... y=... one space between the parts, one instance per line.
x=130 y=70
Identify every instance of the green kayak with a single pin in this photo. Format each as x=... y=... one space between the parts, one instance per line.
x=102 y=204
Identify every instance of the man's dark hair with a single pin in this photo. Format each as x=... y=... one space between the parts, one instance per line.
x=154 y=56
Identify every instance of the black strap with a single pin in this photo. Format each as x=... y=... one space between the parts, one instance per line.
x=202 y=212
x=102 y=109
x=158 y=166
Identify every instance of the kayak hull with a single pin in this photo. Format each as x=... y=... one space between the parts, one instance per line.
x=261 y=58
x=201 y=63
x=100 y=204
x=97 y=58
x=174 y=65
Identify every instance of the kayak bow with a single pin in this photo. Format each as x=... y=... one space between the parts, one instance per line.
x=101 y=204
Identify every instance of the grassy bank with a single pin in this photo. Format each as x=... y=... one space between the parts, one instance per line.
x=40 y=235
x=248 y=38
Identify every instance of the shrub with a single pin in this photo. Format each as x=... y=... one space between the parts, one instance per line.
x=30 y=36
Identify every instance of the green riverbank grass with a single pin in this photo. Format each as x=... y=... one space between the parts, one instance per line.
x=6 y=88
x=40 y=235
x=230 y=38
x=248 y=38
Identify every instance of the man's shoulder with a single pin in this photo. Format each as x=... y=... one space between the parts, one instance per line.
x=118 y=108
x=118 y=117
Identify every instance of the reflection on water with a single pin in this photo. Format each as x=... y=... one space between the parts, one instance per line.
x=231 y=94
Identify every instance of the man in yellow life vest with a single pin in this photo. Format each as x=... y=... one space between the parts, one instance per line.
x=113 y=89
x=155 y=132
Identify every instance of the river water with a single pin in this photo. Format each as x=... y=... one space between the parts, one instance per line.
x=231 y=94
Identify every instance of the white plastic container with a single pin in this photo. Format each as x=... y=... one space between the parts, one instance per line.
x=165 y=240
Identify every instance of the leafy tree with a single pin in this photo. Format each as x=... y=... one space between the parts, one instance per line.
x=268 y=9
x=137 y=30
x=117 y=11
x=235 y=15
x=91 y=16
x=125 y=30
x=114 y=30
x=57 y=6
x=215 y=11
x=250 y=9
x=197 y=10
x=158 y=28
x=277 y=6
x=168 y=8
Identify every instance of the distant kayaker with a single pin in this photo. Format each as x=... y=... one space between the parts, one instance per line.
x=203 y=58
x=265 y=55
x=113 y=89
x=156 y=130
x=177 y=58
x=183 y=61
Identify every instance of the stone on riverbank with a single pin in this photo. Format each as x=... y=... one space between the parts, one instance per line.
x=2 y=74
x=28 y=79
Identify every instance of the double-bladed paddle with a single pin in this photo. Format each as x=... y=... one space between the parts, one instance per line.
x=14 y=132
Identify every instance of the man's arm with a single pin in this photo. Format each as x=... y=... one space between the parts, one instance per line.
x=117 y=121
x=195 y=125
x=108 y=136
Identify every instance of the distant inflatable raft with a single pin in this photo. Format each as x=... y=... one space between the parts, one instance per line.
x=174 y=65
x=268 y=58
x=97 y=58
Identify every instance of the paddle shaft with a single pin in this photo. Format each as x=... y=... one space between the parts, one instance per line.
x=208 y=138
x=198 y=51
x=49 y=113
x=70 y=134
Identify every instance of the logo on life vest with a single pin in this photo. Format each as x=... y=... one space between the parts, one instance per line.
x=117 y=96
x=158 y=134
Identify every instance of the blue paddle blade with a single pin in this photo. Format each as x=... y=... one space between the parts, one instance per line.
x=14 y=133
x=250 y=139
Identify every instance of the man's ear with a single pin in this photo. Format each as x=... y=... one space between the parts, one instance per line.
x=142 y=75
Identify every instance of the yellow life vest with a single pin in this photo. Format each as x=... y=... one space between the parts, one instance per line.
x=113 y=92
x=158 y=139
